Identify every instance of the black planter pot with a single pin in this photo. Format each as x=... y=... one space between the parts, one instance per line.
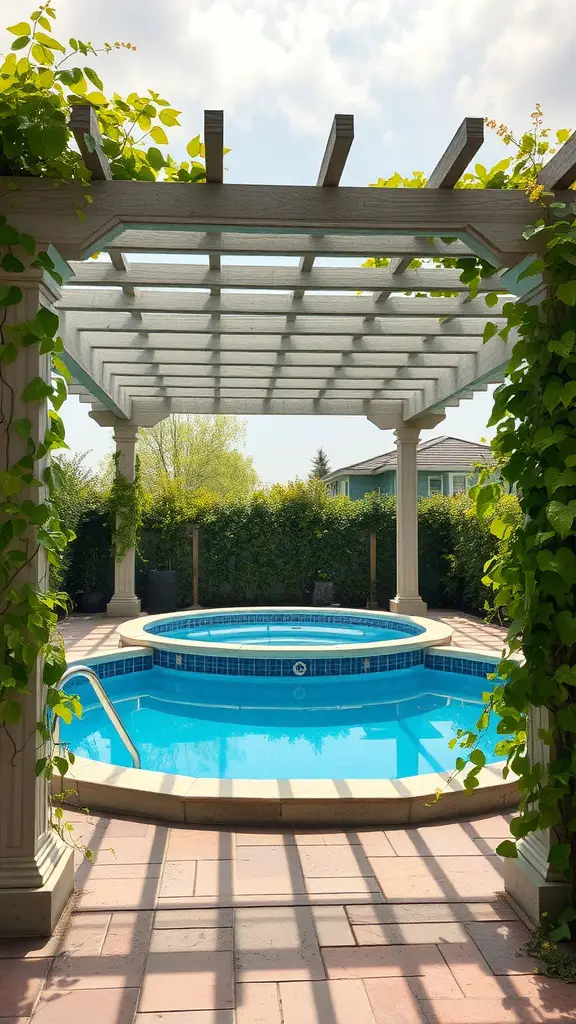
x=91 y=602
x=161 y=591
x=323 y=594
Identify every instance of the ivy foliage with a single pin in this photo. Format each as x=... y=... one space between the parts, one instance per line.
x=40 y=79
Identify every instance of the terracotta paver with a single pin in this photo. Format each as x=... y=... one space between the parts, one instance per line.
x=501 y=946
x=179 y=878
x=276 y=943
x=438 y=878
x=393 y=1001
x=397 y=934
x=424 y=913
x=187 y=981
x=268 y=869
x=217 y=917
x=432 y=841
x=187 y=1017
x=383 y=961
x=337 y=1002
x=119 y=894
x=358 y=884
x=259 y=837
x=257 y=1003
x=118 y=962
x=148 y=849
x=88 y=1006
x=334 y=862
x=20 y=985
x=332 y=927
x=492 y=1011
x=199 y=844
x=185 y=940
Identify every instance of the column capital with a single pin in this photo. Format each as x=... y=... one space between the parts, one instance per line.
x=125 y=431
x=406 y=434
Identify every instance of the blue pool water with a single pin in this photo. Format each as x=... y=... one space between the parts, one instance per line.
x=285 y=629
x=385 y=725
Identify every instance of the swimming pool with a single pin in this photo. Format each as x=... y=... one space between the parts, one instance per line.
x=390 y=724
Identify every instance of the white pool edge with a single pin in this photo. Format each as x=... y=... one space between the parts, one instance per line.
x=135 y=633
x=179 y=798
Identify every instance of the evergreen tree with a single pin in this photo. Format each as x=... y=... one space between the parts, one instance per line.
x=320 y=465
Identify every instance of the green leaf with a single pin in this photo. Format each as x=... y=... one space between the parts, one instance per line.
x=63 y=712
x=20 y=44
x=491 y=298
x=93 y=77
x=36 y=390
x=193 y=147
x=553 y=393
x=566 y=718
x=562 y=561
x=565 y=623
x=507 y=849
x=559 y=857
x=155 y=158
x=11 y=264
x=10 y=295
x=489 y=331
x=169 y=117
x=21 y=29
x=46 y=321
x=566 y=292
x=22 y=427
x=159 y=135
x=561 y=516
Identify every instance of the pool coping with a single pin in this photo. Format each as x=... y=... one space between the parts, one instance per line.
x=135 y=633
x=179 y=798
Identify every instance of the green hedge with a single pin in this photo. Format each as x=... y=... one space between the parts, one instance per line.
x=270 y=548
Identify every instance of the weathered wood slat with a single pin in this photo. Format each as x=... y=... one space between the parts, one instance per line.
x=183 y=323
x=288 y=372
x=175 y=302
x=247 y=345
x=188 y=275
x=490 y=219
x=259 y=388
x=84 y=126
x=560 y=171
x=331 y=169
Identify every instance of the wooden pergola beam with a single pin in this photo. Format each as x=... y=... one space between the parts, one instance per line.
x=560 y=171
x=247 y=344
x=461 y=149
x=84 y=126
x=490 y=220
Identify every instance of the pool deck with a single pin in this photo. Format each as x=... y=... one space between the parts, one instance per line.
x=188 y=925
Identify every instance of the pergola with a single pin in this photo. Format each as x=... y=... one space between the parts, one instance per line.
x=145 y=339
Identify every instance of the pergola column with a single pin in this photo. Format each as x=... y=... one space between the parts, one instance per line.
x=124 y=601
x=36 y=867
x=407 y=598
x=531 y=881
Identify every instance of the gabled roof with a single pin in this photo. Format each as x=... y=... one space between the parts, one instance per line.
x=450 y=453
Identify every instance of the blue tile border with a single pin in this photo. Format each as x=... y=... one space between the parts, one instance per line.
x=246 y=618
x=291 y=667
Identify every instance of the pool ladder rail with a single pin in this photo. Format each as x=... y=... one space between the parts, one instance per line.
x=96 y=684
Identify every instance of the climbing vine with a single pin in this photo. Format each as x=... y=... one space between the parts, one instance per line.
x=126 y=508
x=40 y=79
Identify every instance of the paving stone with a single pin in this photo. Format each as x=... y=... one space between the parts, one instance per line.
x=393 y=1001
x=334 y=862
x=119 y=962
x=185 y=940
x=423 y=913
x=199 y=844
x=372 y=841
x=95 y=1006
x=501 y=945
x=490 y=1011
x=187 y=981
x=215 y=878
x=98 y=871
x=268 y=869
x=383 y=961
x=85 y=935
x=116 y=828
x=332 y=926
x=258 y=1003
x=344 y=885
x=438 y=879
x=186 y=1017
x=495 y=826
x=432 y=841
x=276 y=942
x=258 y=837
x=148 y=849
x=470 y=969
x=20 y=985
x=216 y=917
x=119 y=894
x=487 y=846
x=397 y=934
x=178 y=878
x=310 y=899
x=336 y=1002
x=313 y=838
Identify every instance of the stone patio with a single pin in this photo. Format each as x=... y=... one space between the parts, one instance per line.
x=188 y=925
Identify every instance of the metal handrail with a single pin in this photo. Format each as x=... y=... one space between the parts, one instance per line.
x=85 y=670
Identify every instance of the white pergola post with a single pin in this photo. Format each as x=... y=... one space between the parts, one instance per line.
x=407 y=600
x=36 y=867
x=531 y=881
x=124 y=601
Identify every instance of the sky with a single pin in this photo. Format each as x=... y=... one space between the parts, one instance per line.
x=409 y=70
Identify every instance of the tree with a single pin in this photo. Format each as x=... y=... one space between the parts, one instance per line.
x=185 y=454
x=320 y=465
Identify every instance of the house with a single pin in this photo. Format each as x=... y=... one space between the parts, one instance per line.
x=446 y=465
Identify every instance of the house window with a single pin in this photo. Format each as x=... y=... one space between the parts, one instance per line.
x=345 y=487
x=434 y=485
x=458 y=483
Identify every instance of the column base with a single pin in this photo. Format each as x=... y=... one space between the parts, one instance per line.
x=408 y=605
x=532 y=892
x=29 y=912
x=123 y=606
